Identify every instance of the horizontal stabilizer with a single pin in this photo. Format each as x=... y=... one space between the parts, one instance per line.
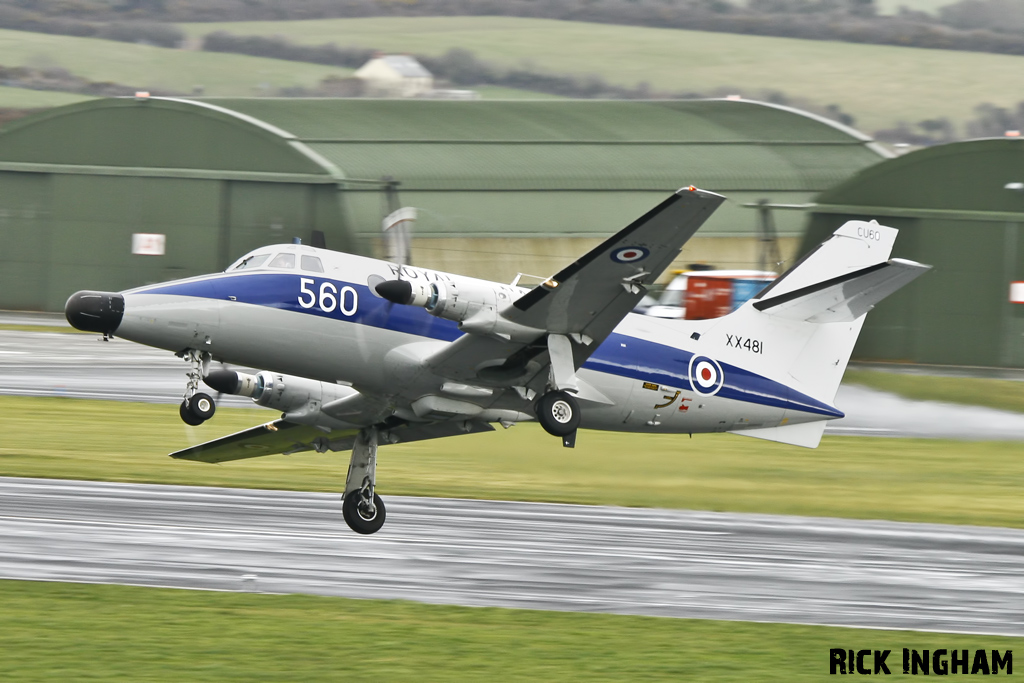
x=844 y=298
x=806 y=434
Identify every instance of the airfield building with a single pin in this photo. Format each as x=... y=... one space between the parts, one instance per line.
x=115 y=193
x=960 y=208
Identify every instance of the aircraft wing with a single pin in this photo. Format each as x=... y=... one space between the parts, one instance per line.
x=585 y=300
x=591 y=295
x=287 y=437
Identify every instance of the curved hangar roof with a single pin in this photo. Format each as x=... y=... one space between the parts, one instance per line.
x=741 y=148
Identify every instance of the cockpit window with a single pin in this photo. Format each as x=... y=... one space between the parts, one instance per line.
x=254 y=261
x=283 y=261
x=312 y=263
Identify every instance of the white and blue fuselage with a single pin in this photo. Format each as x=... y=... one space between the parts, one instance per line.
x=319 y=317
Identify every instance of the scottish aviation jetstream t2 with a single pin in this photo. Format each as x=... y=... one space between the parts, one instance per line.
x=358 y=352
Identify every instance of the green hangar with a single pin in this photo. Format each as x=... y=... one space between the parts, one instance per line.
x=115 y=193
x=960 y=208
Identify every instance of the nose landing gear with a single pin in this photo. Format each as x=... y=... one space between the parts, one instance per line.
x=363 y=509
x=196 y=407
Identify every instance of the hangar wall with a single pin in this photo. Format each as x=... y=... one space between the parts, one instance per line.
x=501 y=187
x=960 y=208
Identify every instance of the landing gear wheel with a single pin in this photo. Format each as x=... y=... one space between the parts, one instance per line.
x=359 y=515
x=202 y=406
x=558 y=413
x=186 y=415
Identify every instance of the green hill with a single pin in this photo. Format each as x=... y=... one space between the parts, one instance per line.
x=147 y=67
x=155 y=68
x=879 y=85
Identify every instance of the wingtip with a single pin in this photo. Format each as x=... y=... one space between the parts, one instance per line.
x=707 y=194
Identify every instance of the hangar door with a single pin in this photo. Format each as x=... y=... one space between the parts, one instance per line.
x=93 y=220
x=24 y=240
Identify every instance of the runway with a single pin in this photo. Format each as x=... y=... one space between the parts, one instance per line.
x=81 y=366
x=668 y=563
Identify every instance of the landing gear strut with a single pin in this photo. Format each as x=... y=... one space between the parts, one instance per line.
x=196 y=407
x=362 y=508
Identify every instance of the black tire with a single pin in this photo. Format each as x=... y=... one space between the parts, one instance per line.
x=186 y=415
x=202 y=407
x=357 y=519
x=558 y=413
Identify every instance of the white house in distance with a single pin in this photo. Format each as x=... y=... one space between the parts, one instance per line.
x=395 y=76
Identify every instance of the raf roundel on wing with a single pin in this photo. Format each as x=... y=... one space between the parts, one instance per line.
x=630 y=254
x=706 y=376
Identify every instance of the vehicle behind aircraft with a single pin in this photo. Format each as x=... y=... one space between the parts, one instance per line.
x=355 y=352
x=704 y=294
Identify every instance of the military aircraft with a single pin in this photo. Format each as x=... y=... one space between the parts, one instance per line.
x=357 y=352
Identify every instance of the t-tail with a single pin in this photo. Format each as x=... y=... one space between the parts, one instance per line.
x=811 y=317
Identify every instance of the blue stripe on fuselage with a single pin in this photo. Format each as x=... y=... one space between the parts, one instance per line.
x=620 y=354
x=267 y=289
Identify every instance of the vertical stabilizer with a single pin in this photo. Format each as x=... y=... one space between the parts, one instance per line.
x=813 y=314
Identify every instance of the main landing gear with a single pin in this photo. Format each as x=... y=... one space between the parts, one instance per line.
x=557 y=410
x=362 y=508
x=196 y=407
x=559 y=414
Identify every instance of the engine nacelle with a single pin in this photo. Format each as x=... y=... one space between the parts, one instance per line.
x=474 y=304
x=286 y=393
x=460 y=301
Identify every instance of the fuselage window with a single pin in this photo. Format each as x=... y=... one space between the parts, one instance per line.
x=312 y=264
x=252 y=262
x=283 y=261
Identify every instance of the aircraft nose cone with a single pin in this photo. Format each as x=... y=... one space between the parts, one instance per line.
x=95 y=311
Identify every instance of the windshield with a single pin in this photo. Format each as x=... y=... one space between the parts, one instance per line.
x=283 y=261
x=254 y=261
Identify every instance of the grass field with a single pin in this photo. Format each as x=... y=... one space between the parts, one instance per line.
x=991 y=393
x=54 y=631
x=156 y=68
x=23 y=98
x=879 y=85
x=867 y=478
x=148 y=67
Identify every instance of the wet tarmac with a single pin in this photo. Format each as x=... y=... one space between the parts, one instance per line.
x=670 y=563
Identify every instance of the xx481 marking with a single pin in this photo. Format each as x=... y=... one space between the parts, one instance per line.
x=752 y=345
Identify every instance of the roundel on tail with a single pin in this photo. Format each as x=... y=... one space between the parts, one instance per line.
x=706 y=376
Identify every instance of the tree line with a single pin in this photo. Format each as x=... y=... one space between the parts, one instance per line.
x=972 y=25
x=460 y=67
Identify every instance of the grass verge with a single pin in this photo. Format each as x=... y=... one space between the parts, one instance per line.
x=1001 y=394
x=60 y=329
x=877 y=84
x=866 y=478
x=55 y=631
